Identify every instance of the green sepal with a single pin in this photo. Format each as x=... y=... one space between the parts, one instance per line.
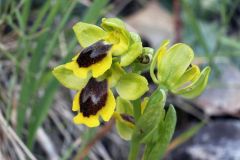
x=87 y=34
x=174 y=63
x=197 y=87
x=134 y=51
x=157 y=58
x=157 y=148
x=124 y=107
x=115 y=74
x=148 y=121
x=68 y=79
x=132 y=86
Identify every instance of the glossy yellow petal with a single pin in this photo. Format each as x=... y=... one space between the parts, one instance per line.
x=72 y=65
x=80 y=72
x=102 y=66
x=91 y=121
x=107 y=111
x=76 y=104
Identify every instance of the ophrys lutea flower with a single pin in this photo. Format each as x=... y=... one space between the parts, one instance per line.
x=100 y=45
x=94 y=100
x=96 y=58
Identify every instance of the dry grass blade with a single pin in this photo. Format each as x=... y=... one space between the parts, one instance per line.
x=19 y=146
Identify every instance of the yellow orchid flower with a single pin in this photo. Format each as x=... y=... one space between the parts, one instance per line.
x=94 y=100
x=96 y=58
x=101 y=44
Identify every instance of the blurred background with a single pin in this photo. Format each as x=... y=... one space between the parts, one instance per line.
x=35 y=110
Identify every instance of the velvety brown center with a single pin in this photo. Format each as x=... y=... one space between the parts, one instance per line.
x=93 y=54
x=93 y=97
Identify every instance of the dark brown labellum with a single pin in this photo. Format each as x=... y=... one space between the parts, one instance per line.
x=93 y=54
x=93 y=97
x=190 y=66
x=128 y=118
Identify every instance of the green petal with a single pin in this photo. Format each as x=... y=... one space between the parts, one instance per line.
x=134 y=51
x=124 y=106
x=68 y=79
x=131 y=86
x=174 y=63
x=197 y=87
x=115 y=73
x=149 y=120
x=189 y=76
x=88 y=34
x=117 y=35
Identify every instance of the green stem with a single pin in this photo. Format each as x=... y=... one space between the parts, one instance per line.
x=136 y=109
x=134 y=148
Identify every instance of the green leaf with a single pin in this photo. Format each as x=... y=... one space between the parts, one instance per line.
x=131 y=86
x=124 y=107
x=68 y=79
x=150 y=118
x=146 y=124
x=134 y=51
x=157 y=98
x=156 y=150
x=197 y=87
x=88 y=34
x=174 y=63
